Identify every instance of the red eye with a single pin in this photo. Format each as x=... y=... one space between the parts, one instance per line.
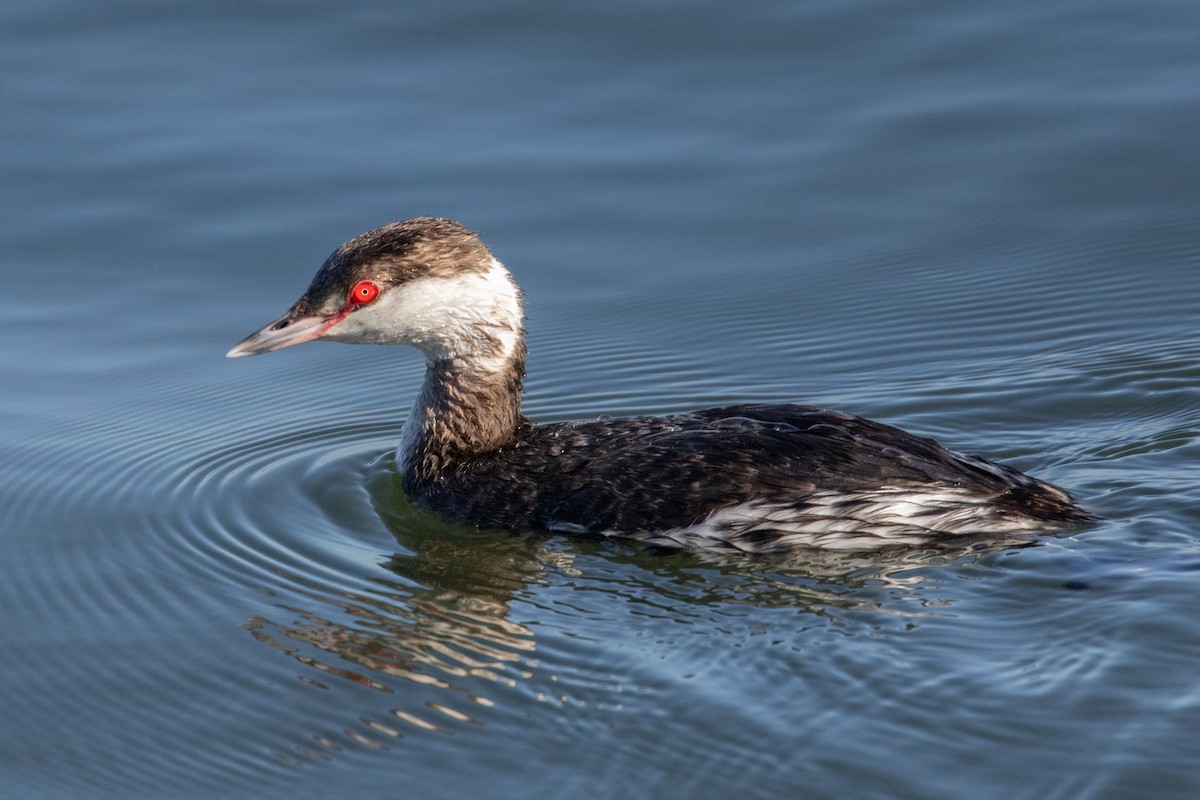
x=363 y=292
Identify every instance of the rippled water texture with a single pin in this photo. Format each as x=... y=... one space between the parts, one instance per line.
x=977 y=222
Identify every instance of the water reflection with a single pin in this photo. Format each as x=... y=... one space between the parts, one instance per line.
x=435 y=630
x=435 y=651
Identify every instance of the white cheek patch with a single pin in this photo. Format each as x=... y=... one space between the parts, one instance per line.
x=475 y=314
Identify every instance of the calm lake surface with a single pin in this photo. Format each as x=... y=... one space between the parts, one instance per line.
x=976 y=221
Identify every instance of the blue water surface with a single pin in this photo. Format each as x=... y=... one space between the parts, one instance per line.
x=976 y=221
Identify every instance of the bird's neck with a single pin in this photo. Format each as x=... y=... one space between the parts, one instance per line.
x=467 y=407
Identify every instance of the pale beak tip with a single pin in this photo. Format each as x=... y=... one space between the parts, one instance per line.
x=283 y=332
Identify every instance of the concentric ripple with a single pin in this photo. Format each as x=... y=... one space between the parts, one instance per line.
x=295 y=514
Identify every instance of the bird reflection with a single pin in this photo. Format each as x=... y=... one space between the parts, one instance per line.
x=439 y=618
x=435 y=631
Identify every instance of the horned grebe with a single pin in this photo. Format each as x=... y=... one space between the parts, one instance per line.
x=754 y=478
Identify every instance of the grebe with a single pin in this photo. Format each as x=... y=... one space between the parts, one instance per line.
x=754 y=478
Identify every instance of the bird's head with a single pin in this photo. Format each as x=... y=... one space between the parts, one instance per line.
x=425 y=282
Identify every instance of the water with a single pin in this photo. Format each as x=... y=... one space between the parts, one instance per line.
x=977 y=222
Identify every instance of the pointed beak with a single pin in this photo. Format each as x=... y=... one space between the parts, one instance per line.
x=286 y=331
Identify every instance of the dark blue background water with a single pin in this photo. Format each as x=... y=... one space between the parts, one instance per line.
x=976 y=221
